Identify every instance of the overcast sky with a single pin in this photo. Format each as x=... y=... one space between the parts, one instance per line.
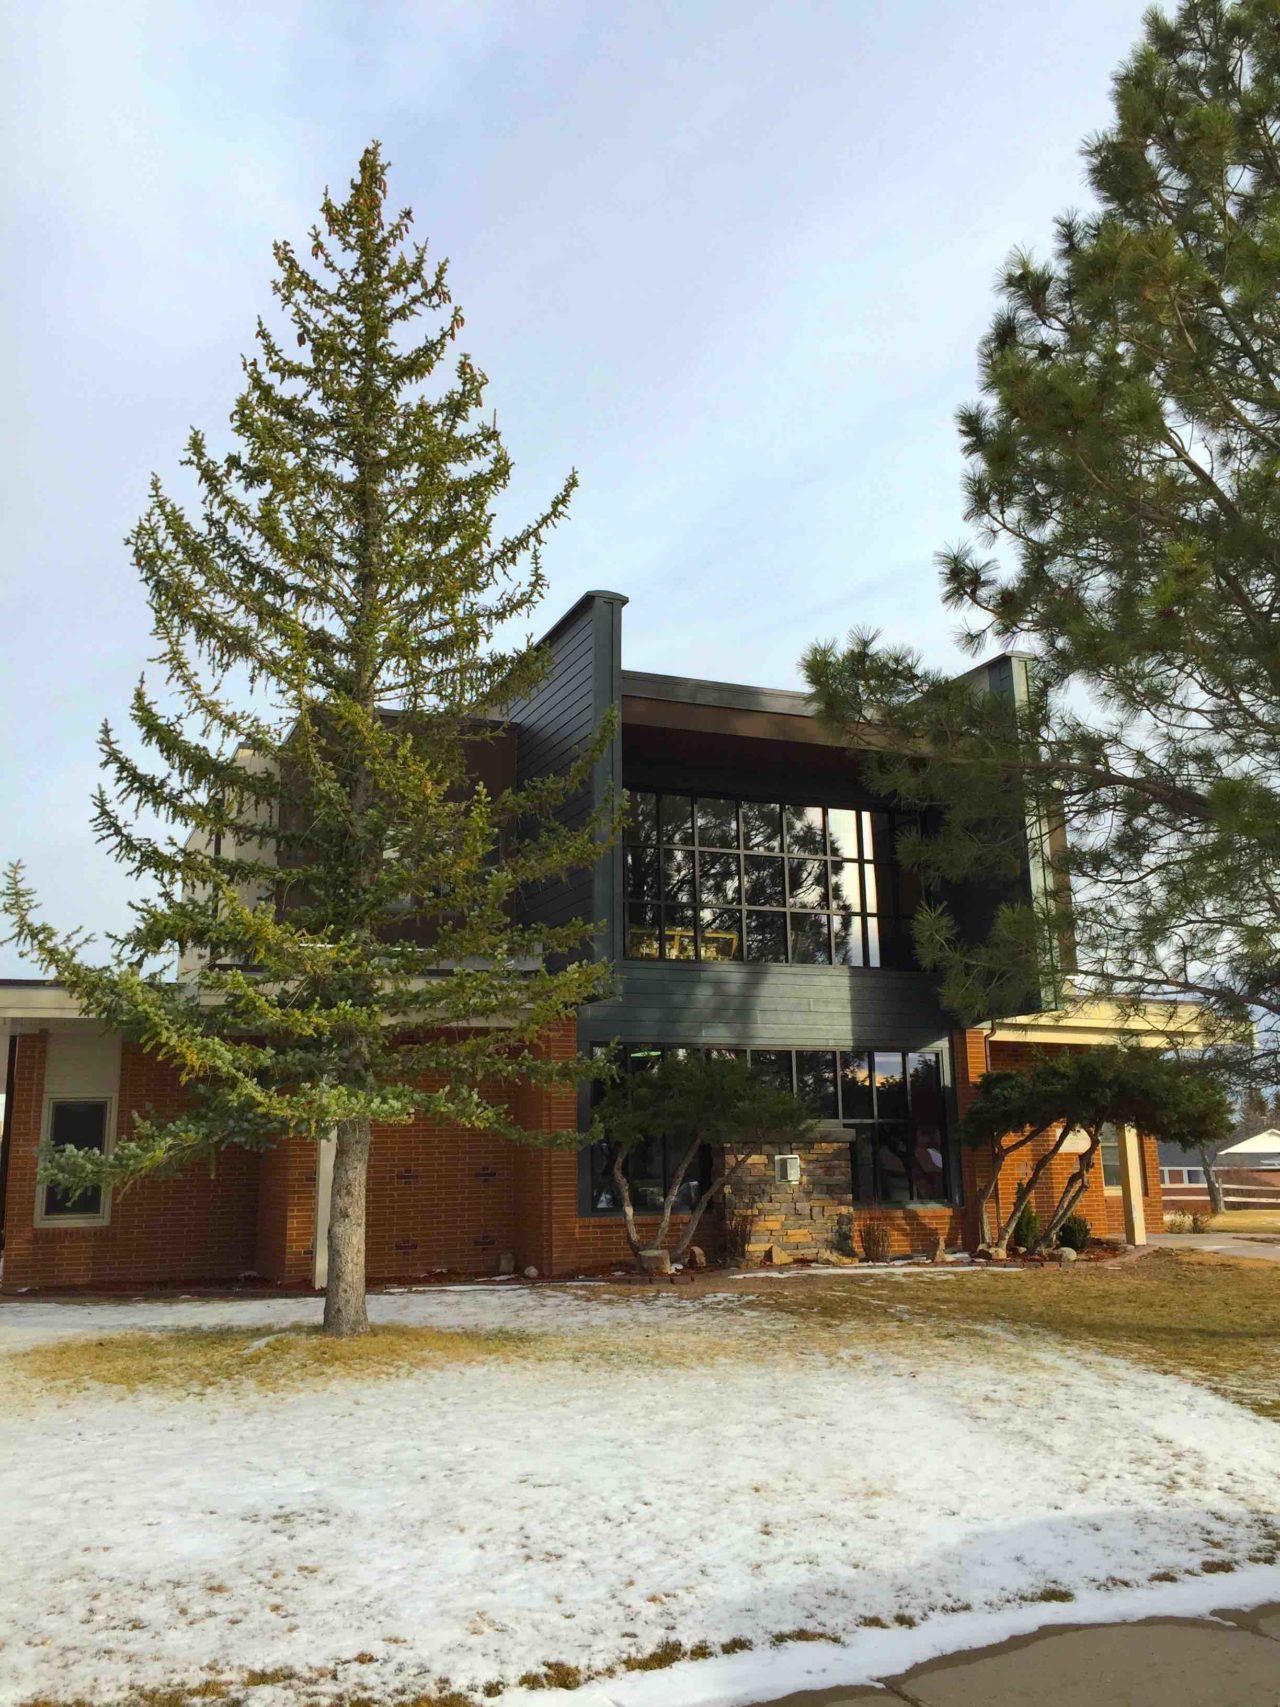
x=729 y=259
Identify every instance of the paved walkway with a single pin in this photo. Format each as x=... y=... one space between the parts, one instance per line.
x=1161 y=1662
x=1263 y=1247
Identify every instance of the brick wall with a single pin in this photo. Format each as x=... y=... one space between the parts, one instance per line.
x=192 y=1226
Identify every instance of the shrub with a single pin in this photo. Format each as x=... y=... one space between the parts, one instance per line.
x=875 y=1241
x=1026 y=1229
x=739 y=1224
x=1177 y=1221
x=1075 y=1233
x=1200 y=1223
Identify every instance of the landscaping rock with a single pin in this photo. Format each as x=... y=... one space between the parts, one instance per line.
x=695 y=1257
x=939 y=1248
x=531 y=1273
x=655 y=1262
x=777 y=1257
x=1066 y=1256
x=507 y=1263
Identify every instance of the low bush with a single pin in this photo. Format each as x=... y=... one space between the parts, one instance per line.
x=1186 y=1221
x=1026 y=1229
x=1075 y=1233
x=875 y=1241
x=739 y=1224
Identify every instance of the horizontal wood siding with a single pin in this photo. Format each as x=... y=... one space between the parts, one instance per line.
x=554 y=725
x=787 y=1006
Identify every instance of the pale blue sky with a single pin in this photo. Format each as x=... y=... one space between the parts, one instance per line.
x=730 y=259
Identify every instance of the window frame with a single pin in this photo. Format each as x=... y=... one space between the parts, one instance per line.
x=835 y=1128
x=102 y=1215
x=878 y=920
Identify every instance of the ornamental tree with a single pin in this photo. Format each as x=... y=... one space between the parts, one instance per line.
x=305 y=820
x=694 y=1101
x=1122 y=486
x=1080 y=1091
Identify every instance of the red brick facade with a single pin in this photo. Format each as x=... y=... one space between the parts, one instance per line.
x=440 y=1197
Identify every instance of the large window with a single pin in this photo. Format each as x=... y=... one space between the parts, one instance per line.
x=84 y=1125
x=709 y=878
x=891 y=1103
x=648 y=1167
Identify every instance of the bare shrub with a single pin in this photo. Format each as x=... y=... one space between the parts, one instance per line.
x=874 y=1236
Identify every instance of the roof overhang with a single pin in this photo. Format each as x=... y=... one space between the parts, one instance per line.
x=1156 y=1025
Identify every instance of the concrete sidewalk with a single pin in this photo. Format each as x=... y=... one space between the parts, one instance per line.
x=1261 y=1247
x=1161 y=1662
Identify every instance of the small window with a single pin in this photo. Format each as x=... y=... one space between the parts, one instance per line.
x=84 y=1126
x=1110 y=1148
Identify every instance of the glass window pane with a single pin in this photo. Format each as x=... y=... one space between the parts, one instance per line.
x=860 y=1165
x=1110 y=1156
x=642 y=825
x=846 y=886
x=676 y=816
x=721 y=934
x=763 y=876
x=842 y=825
x=717 y=823
x=871 y=890
x=678 y=934
x=641 y=873
x=816 y=1081
x=873 y=942
x=766 y=936
x=761 y=825
x=603 y=1190
x=774 y=1065
x=891 y=1086
x=696 y=1176
x=719 y=884
x=877 y=836
x=855 y=1087
x=847 y=937
x=807 y=882
x=644 y=1174
x=806 y=833
x=643 y=935
x=893 y=1167
x=677 y=874
x=929 y=1160
x=83 y=1126
x=810 y=939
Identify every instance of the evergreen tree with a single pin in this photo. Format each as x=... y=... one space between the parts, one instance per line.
x=695 y=1102
x=344 y=896
x=1122 y=484
x=1065 y=1091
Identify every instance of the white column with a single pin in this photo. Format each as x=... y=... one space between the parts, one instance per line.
x=1135 y=1219
x=325 y=1148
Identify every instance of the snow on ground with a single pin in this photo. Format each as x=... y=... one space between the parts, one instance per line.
x=481 y=1520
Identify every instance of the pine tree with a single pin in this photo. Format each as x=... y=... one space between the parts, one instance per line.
x=311 y=840
x=1122 y=483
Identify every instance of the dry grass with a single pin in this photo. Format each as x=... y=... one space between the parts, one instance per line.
x=198 y=1360
x=1246 y=1221
x=1213 y=1319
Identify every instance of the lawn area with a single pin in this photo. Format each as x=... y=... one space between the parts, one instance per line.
x=631 y=1498
x=1246 y=1221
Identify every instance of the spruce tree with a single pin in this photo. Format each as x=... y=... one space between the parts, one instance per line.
x=304 y=821
x=1123 y=487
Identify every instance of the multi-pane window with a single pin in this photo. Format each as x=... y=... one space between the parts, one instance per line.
x=82 y=1124
x=892 y=1104
x=709 y=878
x=648 y=1166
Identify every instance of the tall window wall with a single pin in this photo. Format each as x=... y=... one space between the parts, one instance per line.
x=712 y=878
x=891 y=1104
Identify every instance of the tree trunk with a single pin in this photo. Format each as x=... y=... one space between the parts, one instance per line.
x=624 y=1197
x=718 y=1183
x=1217 y=1197
x=1072 y=1192
x=345 y=1314
x=1024 y=1193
